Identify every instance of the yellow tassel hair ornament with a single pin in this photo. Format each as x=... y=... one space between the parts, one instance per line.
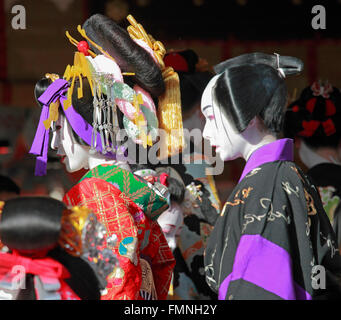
x=169 y=110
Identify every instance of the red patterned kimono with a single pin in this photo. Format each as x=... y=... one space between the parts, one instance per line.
x=128 y=208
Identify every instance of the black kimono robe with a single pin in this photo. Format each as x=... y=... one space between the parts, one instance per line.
x=327 y=179
x=273 y=240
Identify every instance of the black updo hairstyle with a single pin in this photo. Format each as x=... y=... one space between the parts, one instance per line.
x=251 y=85
x=192 y=82
x=31 y=226
x=325 y=111
x=128 y=55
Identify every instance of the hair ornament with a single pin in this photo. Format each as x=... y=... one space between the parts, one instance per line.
x=118 y=94
x=169 y=111
x=138 y=34
x=52 y=76
x=195 y=190
x=54 y=106
x=310 y=127
x=280 y=70
x=321 y=90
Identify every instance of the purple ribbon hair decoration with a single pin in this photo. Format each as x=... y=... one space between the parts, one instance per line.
x=57 y=90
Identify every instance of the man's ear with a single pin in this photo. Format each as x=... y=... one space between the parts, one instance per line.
x=253 y=122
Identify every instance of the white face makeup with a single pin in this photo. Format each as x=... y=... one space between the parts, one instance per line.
x=171 y=222
x=219 y=131
x=73 y=155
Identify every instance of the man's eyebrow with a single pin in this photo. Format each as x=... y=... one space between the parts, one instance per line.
x=206 y=107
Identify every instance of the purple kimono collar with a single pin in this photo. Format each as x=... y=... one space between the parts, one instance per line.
x=58 y=90
x=282 y=150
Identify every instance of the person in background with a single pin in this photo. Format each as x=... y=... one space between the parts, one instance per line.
x=8 y=188
x=314 y=122
x=186 y=225
x=51 y=252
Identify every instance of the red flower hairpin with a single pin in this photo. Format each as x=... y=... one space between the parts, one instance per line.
x=163 y=179
x=321 y=90
x=309 y=127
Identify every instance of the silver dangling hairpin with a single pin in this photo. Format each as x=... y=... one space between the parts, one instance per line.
x=111 y=114
x=97 y=119
x=94 y=122
x=100 y=122
x=105 y=119
x=280 y=70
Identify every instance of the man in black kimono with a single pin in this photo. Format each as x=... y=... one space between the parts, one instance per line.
x=272 y=240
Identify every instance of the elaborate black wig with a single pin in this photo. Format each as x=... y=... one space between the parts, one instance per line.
x=130 y=58
x=31 y=226
x=252 y=85
x=192 y=81
x=315 y=117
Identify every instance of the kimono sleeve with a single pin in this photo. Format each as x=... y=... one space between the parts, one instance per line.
x=116 y=214
x=161 y=259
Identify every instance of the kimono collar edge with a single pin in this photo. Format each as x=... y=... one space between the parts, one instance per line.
x=279 y=150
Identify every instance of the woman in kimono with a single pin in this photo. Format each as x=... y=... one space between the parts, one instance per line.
x=314 y=121
x=272 y=240
x=51 y=252
x=123 y=78
x=186 y=225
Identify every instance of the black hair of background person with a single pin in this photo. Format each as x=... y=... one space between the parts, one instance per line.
x=297 y=112
x=34 y=223
x=250 y=85
x=8 y=185
x=176 y=190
